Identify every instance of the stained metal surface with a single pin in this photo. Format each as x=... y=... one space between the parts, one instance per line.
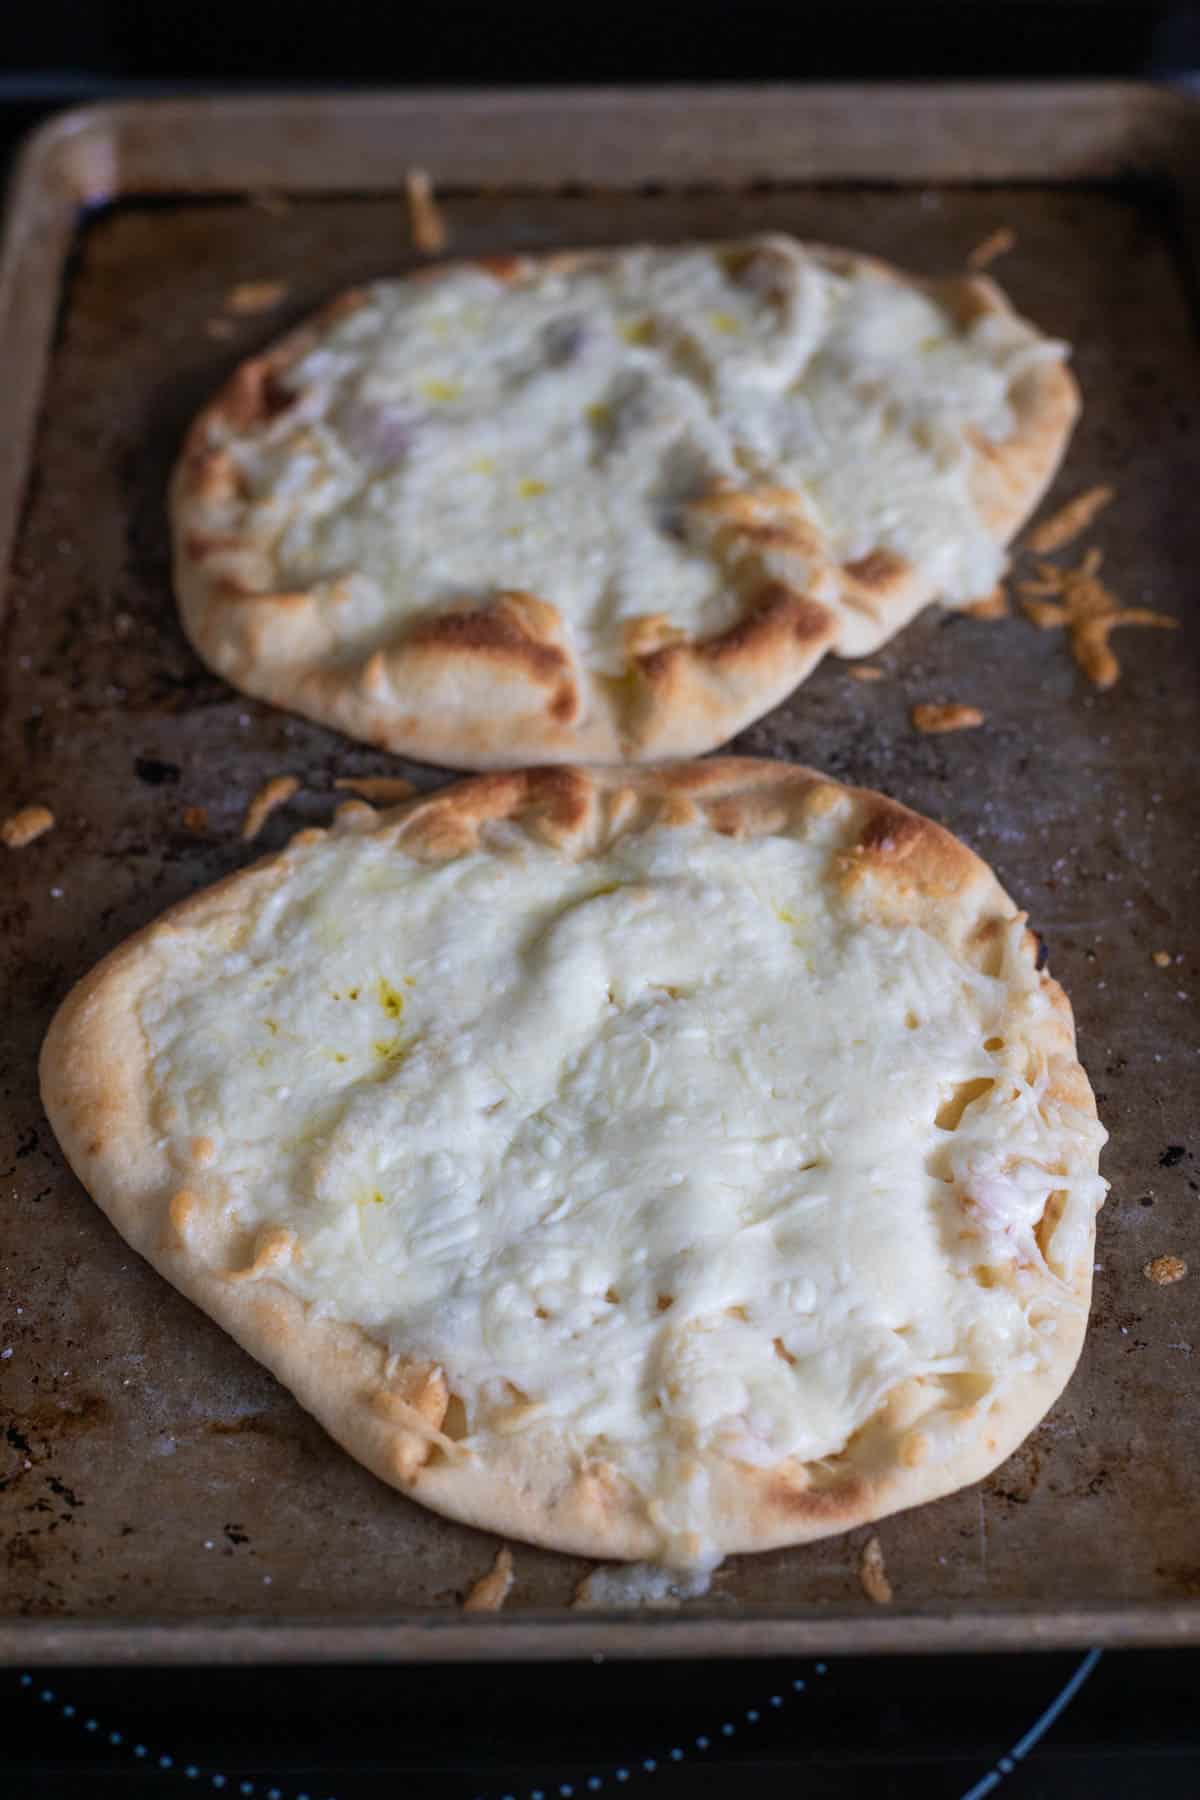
x=161 y=1494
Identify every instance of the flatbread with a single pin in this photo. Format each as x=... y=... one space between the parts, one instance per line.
x=651 y=1166
x=608 y=506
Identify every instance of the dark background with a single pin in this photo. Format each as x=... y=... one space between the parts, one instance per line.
x=933 y=1727
x=283 y=41
x=880 y=1728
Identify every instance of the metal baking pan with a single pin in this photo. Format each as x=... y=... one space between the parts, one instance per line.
x=162 y=1496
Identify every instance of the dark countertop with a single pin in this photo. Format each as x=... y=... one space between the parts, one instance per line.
x=939 y=1728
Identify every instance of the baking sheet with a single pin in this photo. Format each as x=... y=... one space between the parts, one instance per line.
x=162 y=1496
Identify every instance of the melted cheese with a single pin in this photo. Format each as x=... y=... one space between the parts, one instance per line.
x=651 y=1139
x=461 y=437
x=622 y=1587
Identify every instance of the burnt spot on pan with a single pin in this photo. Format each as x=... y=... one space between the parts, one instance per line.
x=259 y=1424
x=1016 y=1480
x=156 y=773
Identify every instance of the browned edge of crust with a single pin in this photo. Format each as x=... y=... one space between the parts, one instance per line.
x=505 y=687
x=888 y=864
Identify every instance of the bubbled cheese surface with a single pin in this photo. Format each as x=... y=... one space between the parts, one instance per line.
x=461 y=437
x=650 y=1138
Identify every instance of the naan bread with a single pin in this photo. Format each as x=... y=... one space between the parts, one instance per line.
x=609 y=506
x=649 y=1166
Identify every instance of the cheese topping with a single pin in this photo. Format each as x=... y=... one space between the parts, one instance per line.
x=662 y=1148
x=456 y=438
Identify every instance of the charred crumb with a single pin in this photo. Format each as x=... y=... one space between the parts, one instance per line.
x=1172 y=1155
x=236 y=1534
x=27 y=1143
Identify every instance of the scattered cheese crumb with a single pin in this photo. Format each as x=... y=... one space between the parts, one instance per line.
x=628 y=1585
x=1163 y=1270
x=384 y=790
x=272 y=794
x=989 y=606
x=873 y=1574
x=269 y=202
x=255 y=297
x=1162 y=959
x=931 y=718
x=195 y=820
x=997 y=243
x=1064 y=526
x=21 y=828
x=429 y=232
x=1075 y=600
x=865 y=672
x=489 y=1593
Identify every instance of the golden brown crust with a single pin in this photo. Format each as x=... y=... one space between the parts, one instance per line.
x=889 y=865
x=990 y=606
x=1009 y=478
x=492 y=686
